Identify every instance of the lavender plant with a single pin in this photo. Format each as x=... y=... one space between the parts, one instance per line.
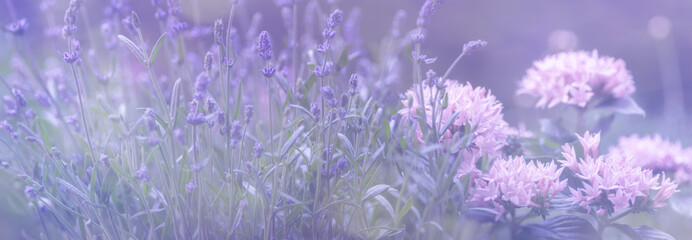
x=301 y=136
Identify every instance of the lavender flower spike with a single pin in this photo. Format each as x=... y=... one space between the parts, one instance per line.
x=264 y=46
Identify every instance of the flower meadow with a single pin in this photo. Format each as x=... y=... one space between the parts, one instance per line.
x=150 y=125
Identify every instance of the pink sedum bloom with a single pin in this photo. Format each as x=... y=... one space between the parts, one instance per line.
x=614 y=182
x=476 y=106
x=514 y=183
x=657 y=154
x=575 y=77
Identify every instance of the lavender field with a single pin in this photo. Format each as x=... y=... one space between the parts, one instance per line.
x=345 y=119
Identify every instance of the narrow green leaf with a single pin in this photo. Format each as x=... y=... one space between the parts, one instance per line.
x=374 y=191
x=133 y=48
x=155 y=50
x=404 y=210
x=71 y=188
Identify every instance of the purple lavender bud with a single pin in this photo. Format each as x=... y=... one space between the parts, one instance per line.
x=175 y=11
x=153 y=141
x=268 y=71
x=195 y=119
x=258 y=149
x=150 y=120
x=201 y=86
x=72 y=121
x=4 y=164
x=332 y=113
x=189 y=187
x=142 y=173
x=472 y=46
x=315 y=110
x=42 y=98
x=211 y=104
x=179 y=27
x=7 y=127
x=70 y=17
x=353 y=84
x=249 y=111
x=156 y=3
x=342 y=164
x=344 y=100
x=327 y=174
x=396 y=23
x=208 y=60
x=431 y=75
x=68 y=30
x=323 y=47
x=418 y=38
x=11 y=107
x=29 y=114
x=69 y=58
x=426 y=11
x=30 y=192
x=218 y=31
x=264 y=46
x=328 y=34
x=335 y=19
x=127 y=22
x=220 y=116
x=104 y=160
x=327 y=93
x=323 y=72
x=179 y=135
x=342 y=112
x=55 y=152
x=160 y=14
x=236 y=130
x=17 y=28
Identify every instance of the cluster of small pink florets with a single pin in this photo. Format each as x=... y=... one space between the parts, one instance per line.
x=657 y=154
x=575 y=77
x=514 y=183
x=613 y=182
x=476 y=106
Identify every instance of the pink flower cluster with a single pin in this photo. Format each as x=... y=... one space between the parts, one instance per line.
x=514 y=183
x=613 y=182
x=657 y=154
x=476 y=106
x=574 y=77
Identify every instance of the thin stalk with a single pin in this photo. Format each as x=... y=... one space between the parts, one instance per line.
x=83 y=113
x=295 y=45
x=449 y=70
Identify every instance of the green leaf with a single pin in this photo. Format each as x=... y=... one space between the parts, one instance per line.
x=625 y=105
x=155 y=50
x=649 y=233
x=343 y=58
x=133 y=48
x=289 y=143
x=388 y=206
x=175 y=95
x=561 y=227
x=374 y=191
x=108 y=185
x=404 y=210
x=72 y=188
x=120 y=172
x=387 y=131
x=627 y=230
x=44 y=134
